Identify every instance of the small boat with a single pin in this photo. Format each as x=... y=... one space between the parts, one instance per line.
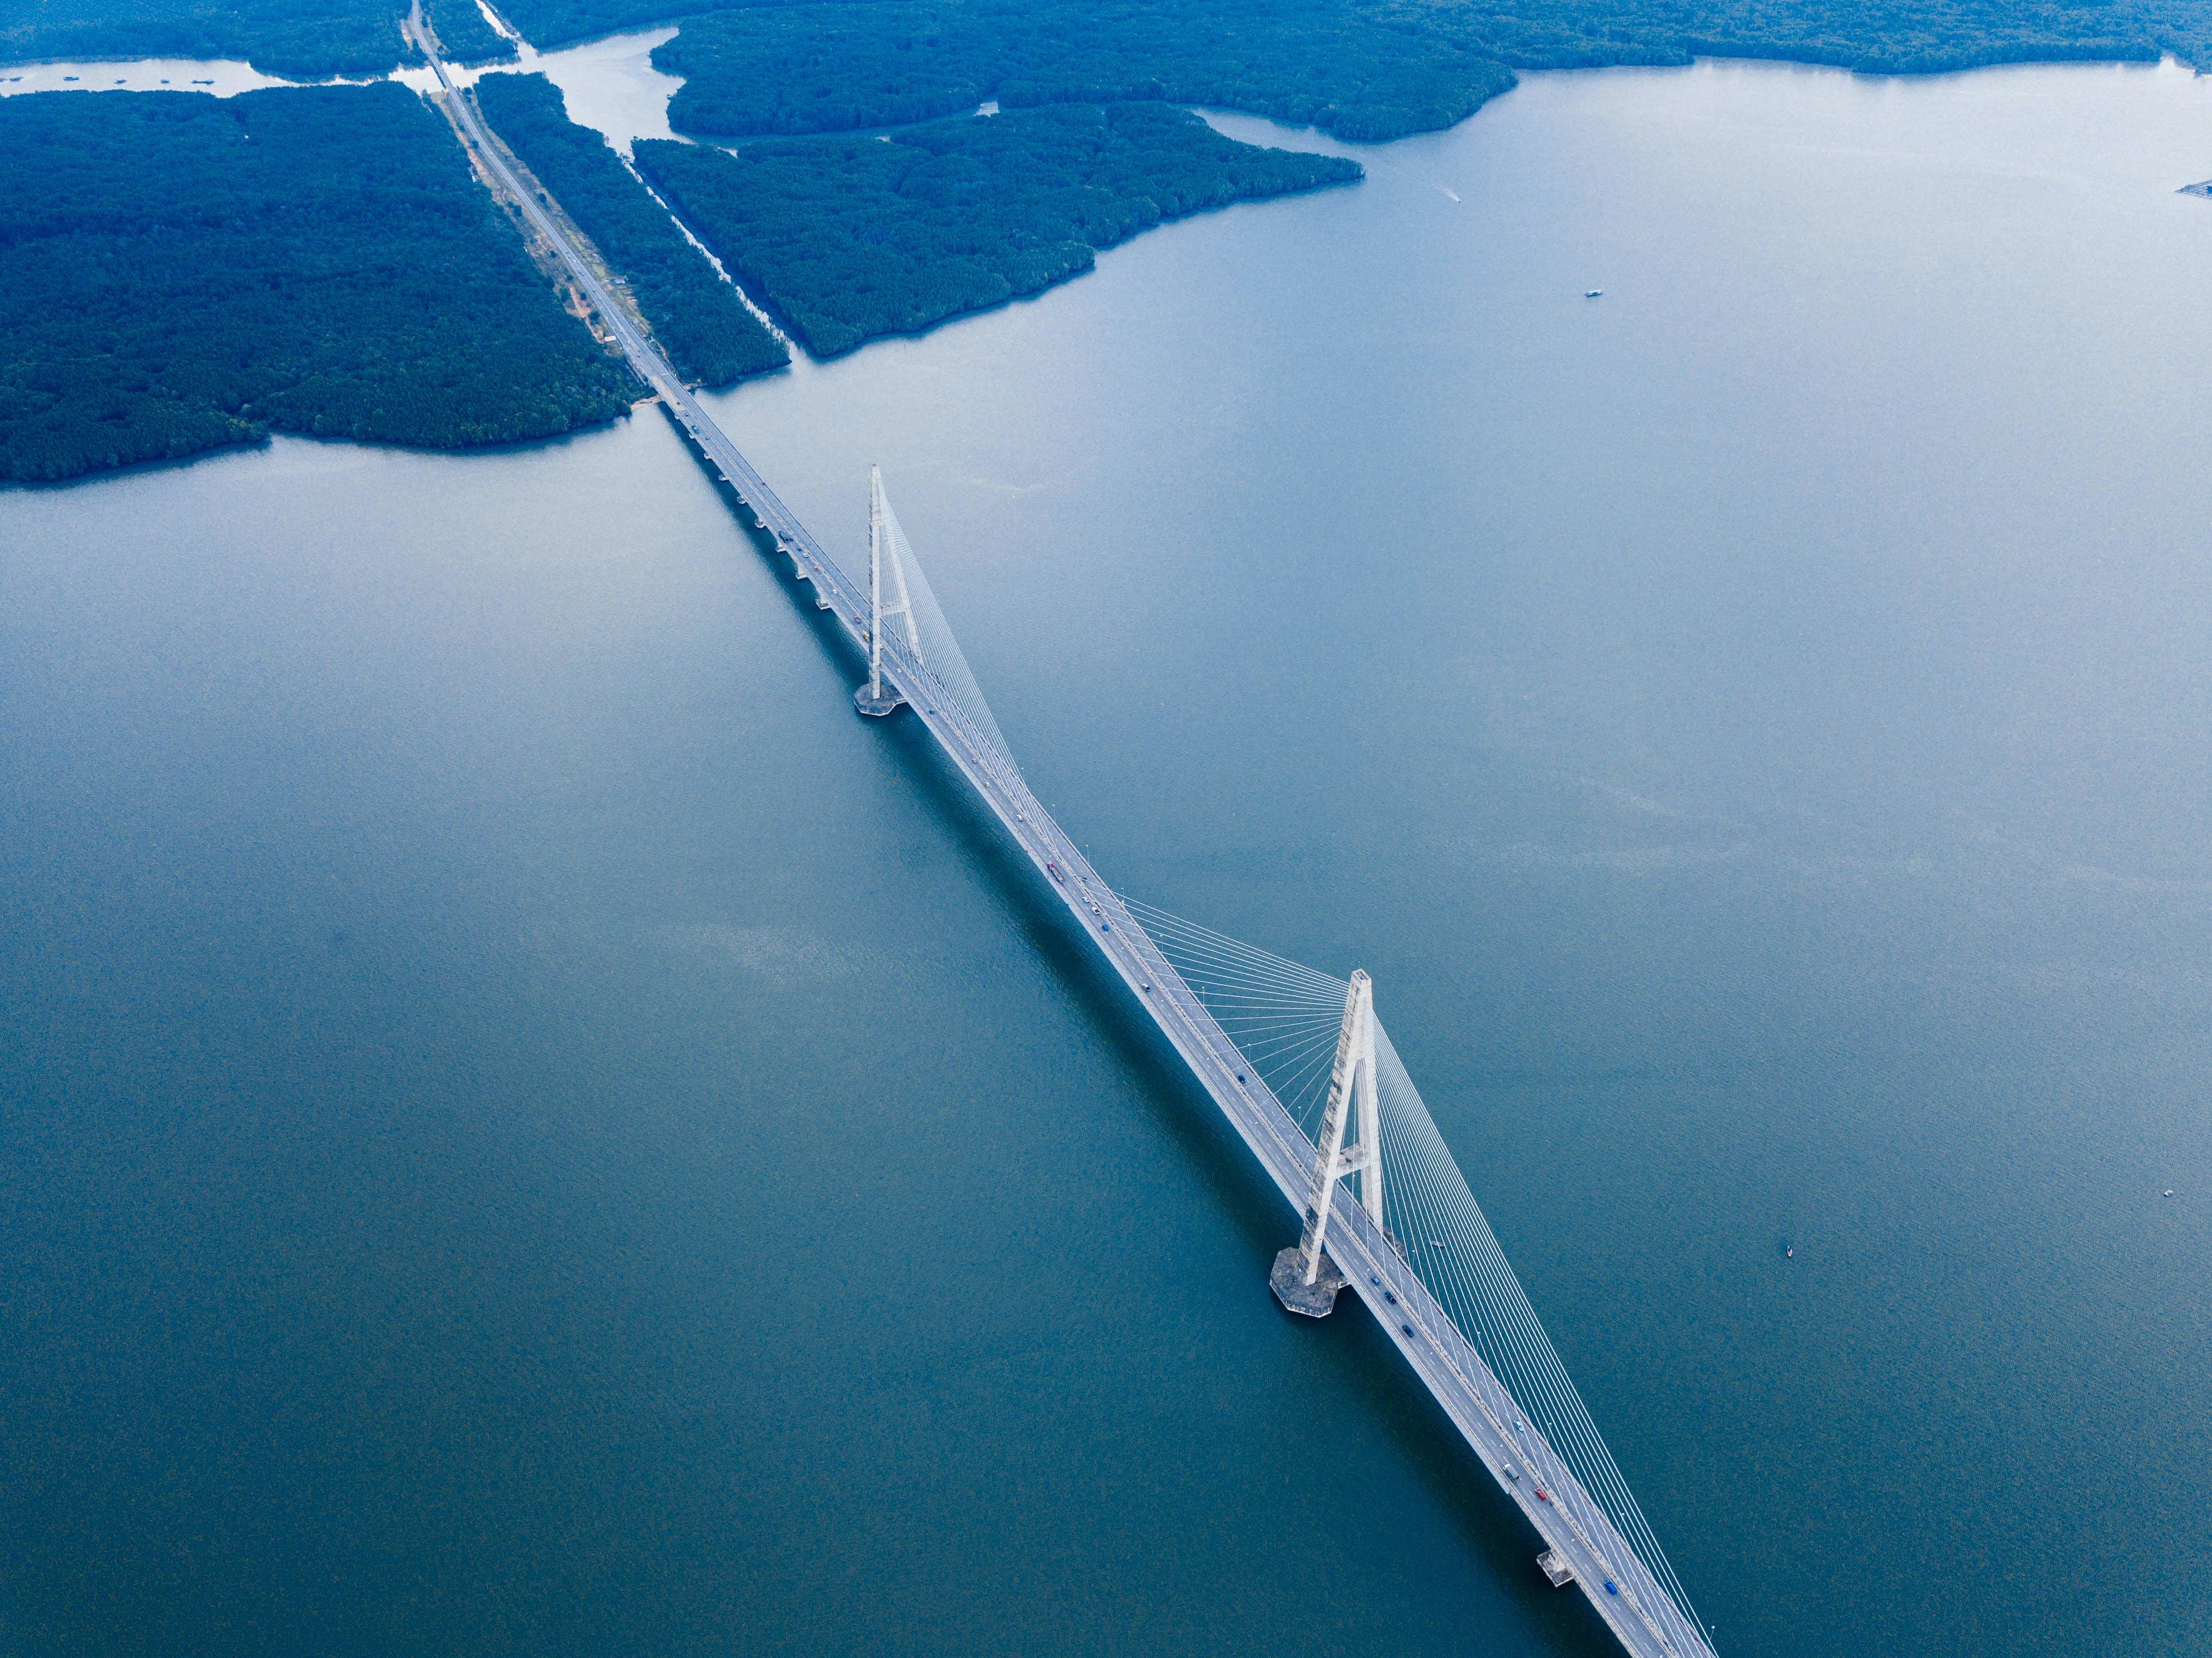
x=1790 y=1252
x=2168 y=1191
x=1594 y=293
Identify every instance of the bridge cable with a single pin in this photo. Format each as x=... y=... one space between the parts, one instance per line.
x=1282 y=1017
x=937 y=647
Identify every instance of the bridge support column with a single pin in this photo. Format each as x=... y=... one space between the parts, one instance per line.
x=874 y=698
x=1305 y=1279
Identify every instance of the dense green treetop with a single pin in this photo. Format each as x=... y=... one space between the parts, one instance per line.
x=847 y=239
x=1876 y=36
x=298 y=40
x=836 y=67
x=696 y=316
x=1362 y=69
x=464 y=37
x=184 y=272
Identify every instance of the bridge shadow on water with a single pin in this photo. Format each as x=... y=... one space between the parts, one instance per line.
x=1359 y=1362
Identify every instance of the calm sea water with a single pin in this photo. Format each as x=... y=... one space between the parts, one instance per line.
x=525 y=1127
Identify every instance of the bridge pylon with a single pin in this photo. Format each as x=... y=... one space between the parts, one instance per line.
x=1305 y=1280
x=873 y=699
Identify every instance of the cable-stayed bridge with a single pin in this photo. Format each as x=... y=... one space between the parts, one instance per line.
x=1296 y=1059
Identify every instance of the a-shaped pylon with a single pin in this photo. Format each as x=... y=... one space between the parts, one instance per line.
x=1305 y=1280
x=872 y=698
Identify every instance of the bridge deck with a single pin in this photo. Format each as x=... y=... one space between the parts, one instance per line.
x=1640 y=1614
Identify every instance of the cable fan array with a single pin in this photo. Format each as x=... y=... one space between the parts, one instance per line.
x=940 y=650
x=1283 y=1017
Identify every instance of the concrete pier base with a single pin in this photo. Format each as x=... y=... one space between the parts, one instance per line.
x=876 y=707
x=1288 y=1281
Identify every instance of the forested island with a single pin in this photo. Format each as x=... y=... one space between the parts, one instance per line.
x=833 y=68
x=1360 y=68
x=297 y=40
x=184 y=272
x=700 y=321
x=848 y=238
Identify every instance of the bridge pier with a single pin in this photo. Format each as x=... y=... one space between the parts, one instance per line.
x=1314 y=1297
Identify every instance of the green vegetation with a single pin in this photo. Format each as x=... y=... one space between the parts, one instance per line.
x=184 y=272
x=835 y=67
x=464 y=37
x=1361 y=69
x=848 y=238
x=1877 y=36
x=299 y=40
x=697 y=317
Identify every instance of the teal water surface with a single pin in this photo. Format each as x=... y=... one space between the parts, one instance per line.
x=525 y=1127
